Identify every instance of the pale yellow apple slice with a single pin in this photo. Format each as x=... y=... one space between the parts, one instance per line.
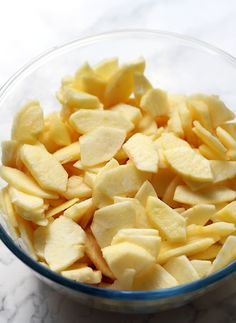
x=202 y=267
x=9 y=152
x=106 y=68
x=227 y=140
x=123 y=180
x=155 y=277
x=78 y=210
x=120 y=86
x=93 y=251
x=140 y=149
x=144 y=192
x=188 y=163
x=62 y=207
x=227 y=213
x=28 y=123
x=100 y=145
x=127 y=255
x=68 y=154
x=131 y=113
x=209 y=253
x=30 y=207
x=64 y=243
x=209 y=139
x=76 y=100
x=218 y=111
x=24 y=183
x=84 y=121
x=181 y=269
x=141 y=85
x=226 y=255
x=169 y=222
x=223 y=170
x=146 y=238
x=213 y=195
x=108 y=220
x=44 y=167
x=84 y=275
x=200 y=112
x=39 y=238
x=155 y=102
x=189 y=249
x=199 y=214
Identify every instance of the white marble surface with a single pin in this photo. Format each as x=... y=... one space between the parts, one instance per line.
x=28 y=28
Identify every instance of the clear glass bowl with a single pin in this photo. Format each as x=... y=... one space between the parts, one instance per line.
x=175 y=63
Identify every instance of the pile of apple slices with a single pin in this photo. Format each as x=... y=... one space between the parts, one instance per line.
x=127 y=187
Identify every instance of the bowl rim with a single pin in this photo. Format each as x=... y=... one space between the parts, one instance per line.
x=180 y=290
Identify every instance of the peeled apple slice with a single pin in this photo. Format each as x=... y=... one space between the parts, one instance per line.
x=28 y=206
x=218 y=111
x=199 y=214
x=68 y=154
x=78 y=100
x=141 y=151
x=93 y=251
x=107 y=68
x=24 y=183
x=61 y=207
x=188 y=163
x=127 y=255
x=122 y=180
x=168 y=221
x=146 y=238
x=9 y=152
x=129 y=112
x=44 y=167
x=213 y=195
x=78 y=210
x=100 y=145
x=202 y=267
x=155 y=277
x=208 y=138
x=226 y=255
x=144 y=192
x=39 y=238
x=181 y=269
x=108 y=220
x=84 y=275
x=155 y=102
x=84 y=121
x=223 y=170
x=227 y=213
x=59 y=132
x=141 y=85
x=119 y=86
x=189 y=249
x=125 y=281
x=64 y=243
x=28 y=123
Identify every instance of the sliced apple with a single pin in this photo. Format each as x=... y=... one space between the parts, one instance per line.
x=169 y=222
x=64 y=243
x=84 y=121
x=140 y=149
x=108 y=220
x=100 y=145
x=181 y=269
x=127 y=255
x=28 y=123
x=45 y=169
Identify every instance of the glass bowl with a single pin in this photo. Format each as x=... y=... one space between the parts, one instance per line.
x=175 y=63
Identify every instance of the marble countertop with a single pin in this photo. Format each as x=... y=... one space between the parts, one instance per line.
x=30 y=27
